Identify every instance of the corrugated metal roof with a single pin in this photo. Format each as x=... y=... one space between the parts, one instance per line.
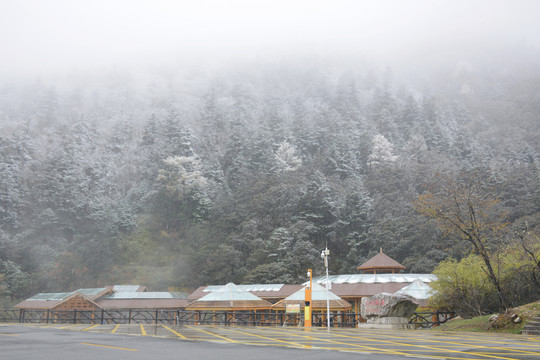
x=375 y=278
x=90 y=292
x=143 y=303
x=284 y=291
x=248 y=287
x=146 y=295
x=49 y=296
x=363 y=289
x=126 y=288
x=64 y=295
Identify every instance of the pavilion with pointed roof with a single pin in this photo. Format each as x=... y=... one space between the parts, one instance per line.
x=230 y=298
x=418 y=290
x=318 y=300
x=381 y=264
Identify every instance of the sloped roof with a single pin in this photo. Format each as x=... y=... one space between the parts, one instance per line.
x=318 y=299
x=249 y=287
x=417 y=290
x=229 y=296
x=381 y=261
x=146 y=295
x=144 y=300
x=362 y=289
x=141 y=303
x=38 y=304
x=318 y=292
x=129 y=288
x=93 y=293
x=49 y=296
x=375 y=278
x=360 y=285
x=50 y=300
x=265 y=291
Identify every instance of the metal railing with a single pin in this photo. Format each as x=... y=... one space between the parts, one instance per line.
x=183 y=317
x=175 y=317
x=431 y=319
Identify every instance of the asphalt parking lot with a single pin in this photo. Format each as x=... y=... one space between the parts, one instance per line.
x=136 y=341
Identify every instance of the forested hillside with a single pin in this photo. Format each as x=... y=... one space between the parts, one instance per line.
x=184 y=176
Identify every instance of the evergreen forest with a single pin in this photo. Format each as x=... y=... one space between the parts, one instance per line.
x=181 y=176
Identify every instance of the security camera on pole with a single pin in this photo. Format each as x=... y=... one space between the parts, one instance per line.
x=324 y=255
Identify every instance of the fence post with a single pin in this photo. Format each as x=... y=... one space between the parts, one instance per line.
x=75 y=316
x=48 y=314
x=129 y=316
x=102 y=311
x=157 y=315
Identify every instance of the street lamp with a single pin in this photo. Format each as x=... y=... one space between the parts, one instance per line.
x=324 y=255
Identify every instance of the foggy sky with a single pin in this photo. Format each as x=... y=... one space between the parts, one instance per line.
x=42 y=36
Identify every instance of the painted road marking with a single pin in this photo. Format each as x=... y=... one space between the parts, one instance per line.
x=472 y=342
x=406 y=343
x=449 y=335
x=8 y=334
x=68 y=326
x=442 y=349
x=110 y=347
x=352 y=346
x=88 y=328
x=390 y=351
x=272 y=339
x=209 y=333
x=174 y=332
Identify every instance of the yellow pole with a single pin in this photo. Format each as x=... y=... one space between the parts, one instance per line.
x=307 y=309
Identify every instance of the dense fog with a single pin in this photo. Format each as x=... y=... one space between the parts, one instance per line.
x=177 y=144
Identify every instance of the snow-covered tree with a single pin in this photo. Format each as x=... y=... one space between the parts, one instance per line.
x=381 y=152
x=182 y=175
x=182 y=190
x=286 y=158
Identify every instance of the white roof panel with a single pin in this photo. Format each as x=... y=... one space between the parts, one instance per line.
x=376 y=278
x=229 y=292
x=144 y=295
x=249 y=287
x=317 y=293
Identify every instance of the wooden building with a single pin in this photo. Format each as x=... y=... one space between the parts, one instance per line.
x=381 y=264
x=82 y=299
x=353 y=287
x=380 y=274
x=107 y=298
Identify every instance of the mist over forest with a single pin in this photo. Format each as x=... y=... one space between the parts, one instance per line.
x=203 y=170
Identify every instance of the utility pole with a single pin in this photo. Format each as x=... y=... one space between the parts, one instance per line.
x=324 y=255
